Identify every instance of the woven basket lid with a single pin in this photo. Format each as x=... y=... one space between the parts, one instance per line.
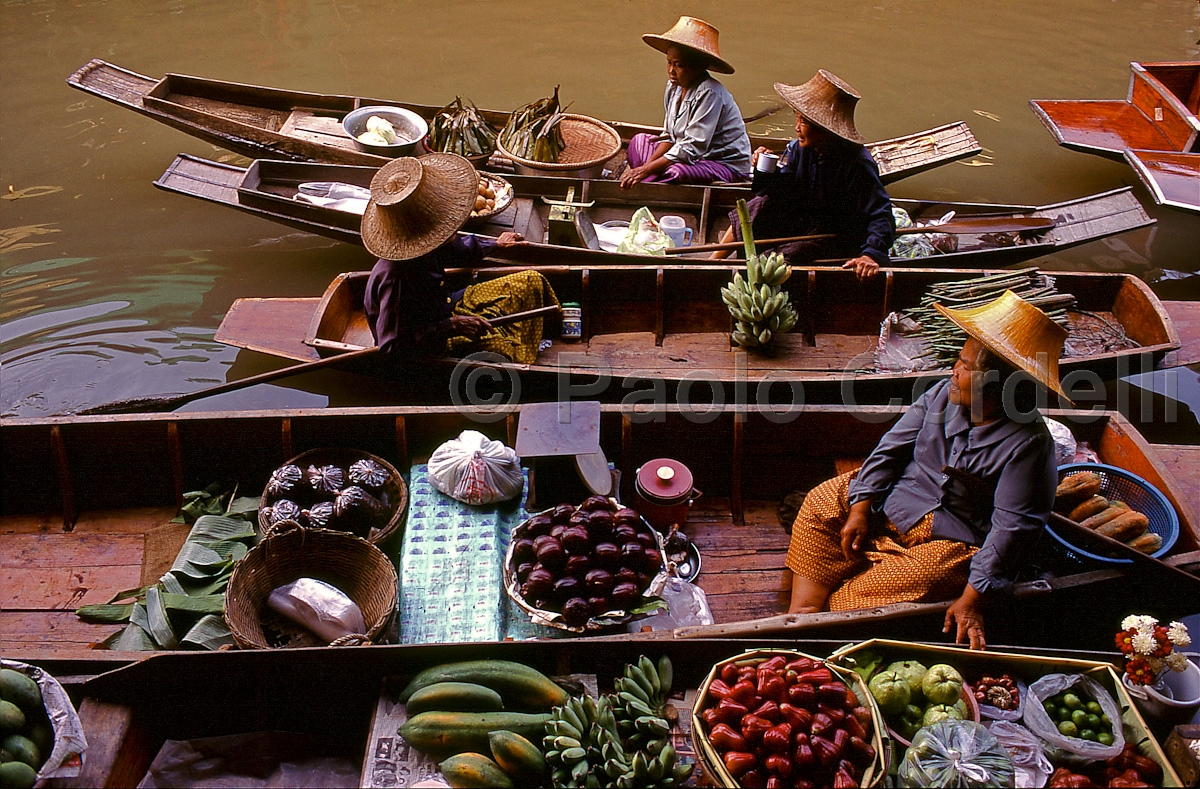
x=416 y=204
x=1019 y=333
x=827 y=101
x=696 y=35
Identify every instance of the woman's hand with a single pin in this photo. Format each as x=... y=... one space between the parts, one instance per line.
x=854 y=530
x=510 y=238
x=863 y=266
x=754 y=156
x=468 y=325
x=966 y=615
x=634 y=175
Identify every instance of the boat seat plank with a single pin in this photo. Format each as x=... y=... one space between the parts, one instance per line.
x=260 y=117
x=274 y=326
x=321 y=129
x=136 y=520
x=1183 y=461
x=1105 y=126
x=35 y=588
x=1094 y=217
x=1186 y=317
x=33 y=632
x=68 y=550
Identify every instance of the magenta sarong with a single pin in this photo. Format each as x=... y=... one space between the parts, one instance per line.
x=641 y=148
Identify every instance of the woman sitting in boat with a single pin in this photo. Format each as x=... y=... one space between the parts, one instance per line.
x=411 y=223
x=954 y=492
x=703 y=138
x=826 y=182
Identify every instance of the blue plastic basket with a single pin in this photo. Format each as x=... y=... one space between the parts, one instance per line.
x=1121 y=485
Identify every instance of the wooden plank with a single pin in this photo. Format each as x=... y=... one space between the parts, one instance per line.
x=1104 y=127
x=135 y=520
x=274 y=326
x=119 y=750
x=1185 y=315
x=69 y=550
x=32 y=632
x=64 y=587
x=1183 y=461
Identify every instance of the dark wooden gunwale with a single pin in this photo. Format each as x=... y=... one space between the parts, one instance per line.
x=265 y=188
x=1172 y=178
x=93 y=474
x=253 y=120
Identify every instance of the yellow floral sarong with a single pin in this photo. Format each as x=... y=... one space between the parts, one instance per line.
x=517 y=342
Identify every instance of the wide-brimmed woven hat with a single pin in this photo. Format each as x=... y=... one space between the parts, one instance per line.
x=826 y=100
x=696 y=35
x=416 y=205
x=1019 y=333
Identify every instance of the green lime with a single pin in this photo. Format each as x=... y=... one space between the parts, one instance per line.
x=1063 y=714
x=1104 y=719
x=1104 y=738
x=1093 y=722
x=1050 y=707
x=1068 y=729
x=1088 y=734
x=1094 y=708
x=1079 y=718
x=1072 y=701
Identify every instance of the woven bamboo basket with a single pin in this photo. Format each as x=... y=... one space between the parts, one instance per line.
x=588 y=144
x=394 y=494
x=714 y=767
x=350 y=563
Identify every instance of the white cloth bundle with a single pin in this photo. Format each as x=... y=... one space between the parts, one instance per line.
x=476 y=470
x=322 y=608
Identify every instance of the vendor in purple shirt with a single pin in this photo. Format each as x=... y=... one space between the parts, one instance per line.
x=826 y=182
x=954 y=492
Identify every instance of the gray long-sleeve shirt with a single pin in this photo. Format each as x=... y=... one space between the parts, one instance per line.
x=1015 y=460
x=707 y=124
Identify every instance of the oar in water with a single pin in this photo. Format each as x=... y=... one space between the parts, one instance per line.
x=758 y=116
x=171 y=402
x=983 y=224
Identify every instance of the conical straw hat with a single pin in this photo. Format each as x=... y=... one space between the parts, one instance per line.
x=1017 y=332
x=416 y=204
x=827 y=101
x=696 y=35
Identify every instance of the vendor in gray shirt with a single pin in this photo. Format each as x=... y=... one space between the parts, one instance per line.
x=956 y=490
x=703 y=138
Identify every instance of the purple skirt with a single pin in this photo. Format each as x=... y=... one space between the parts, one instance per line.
x=641 y=148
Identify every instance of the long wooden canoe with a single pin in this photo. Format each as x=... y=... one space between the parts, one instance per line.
x=85 y=499
x=1158 y=113
x=267 y=189
x=667 y=325
x=1172 y=178
x=261 y=122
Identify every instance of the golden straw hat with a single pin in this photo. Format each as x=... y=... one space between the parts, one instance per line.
x=417 y=205
x=827 y=101
x=1017 y=332
x=696 y=35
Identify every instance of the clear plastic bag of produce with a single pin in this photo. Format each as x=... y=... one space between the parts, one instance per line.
x=644 y=236
x=1039 y=722
x=1028 y=758
x=66 y=754
x=687 y=605
x=956 y=753
x=322 y=608
x=475 y=470
x=995 y=713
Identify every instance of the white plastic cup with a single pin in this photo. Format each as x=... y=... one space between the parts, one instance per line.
x=676 y=229
x=767 y=162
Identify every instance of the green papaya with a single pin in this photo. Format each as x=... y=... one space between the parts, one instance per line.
x=474 y=771
x=20 y=690
x=22 y=749
x=454 y=697
x=17 y=775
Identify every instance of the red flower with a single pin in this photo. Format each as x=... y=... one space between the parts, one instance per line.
x=1125 y=641
x=1164 y=643
x=1139 y=672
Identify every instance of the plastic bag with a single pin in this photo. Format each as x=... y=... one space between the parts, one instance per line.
x=1029 y=760
x=956 y=753
x=997 y=714
x=687 y=605
x=322 y=608
x=475 y=470
x=1064 y=442
x=644 y=236
x=901 y=348
x=1038 y=720
x=338 y=196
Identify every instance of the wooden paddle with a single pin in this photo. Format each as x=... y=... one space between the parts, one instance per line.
x=983 y=224
x=1102 y=542
x=171 y=402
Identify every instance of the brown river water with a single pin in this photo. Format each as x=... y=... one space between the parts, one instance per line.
x=113 y=289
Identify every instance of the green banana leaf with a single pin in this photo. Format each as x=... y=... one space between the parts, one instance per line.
x=105 y=613
x=220 y=527
x=160 y=626
x=205 y=604
x=132 y=639
x=210 y=632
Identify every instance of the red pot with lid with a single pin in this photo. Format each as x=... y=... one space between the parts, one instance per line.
x=664 y=493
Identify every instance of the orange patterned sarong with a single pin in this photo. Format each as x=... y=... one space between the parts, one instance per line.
x=895 y=568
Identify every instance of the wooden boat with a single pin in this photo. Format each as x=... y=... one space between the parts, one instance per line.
x=85 y=501
x=269 y=123
x=1172 y=178
x=267 y=189
x=666 y=325
x=1158 y=113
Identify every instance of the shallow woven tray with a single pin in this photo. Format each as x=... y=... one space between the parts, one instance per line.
x=588 y=142
x=350 y=563
x=394 y=494
x=504 y=196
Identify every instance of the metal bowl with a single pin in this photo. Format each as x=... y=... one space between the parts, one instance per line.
x=410 y=127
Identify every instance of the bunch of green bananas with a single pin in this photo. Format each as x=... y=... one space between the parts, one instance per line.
x=762 y=311
x=619 y=740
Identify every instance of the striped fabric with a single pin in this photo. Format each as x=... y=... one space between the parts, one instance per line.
x=641 y=148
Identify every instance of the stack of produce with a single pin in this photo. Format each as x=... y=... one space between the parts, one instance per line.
x=485 y=198
x=329 y=496
x=785 y=720
x=594 y=560
x=458 y=128
x=946 y=340
x=533 y=132
x=1126 y=769
x=1078 y=497
x=760 y=308
x=1001 y=693
x=26 y=736
x=913 y=697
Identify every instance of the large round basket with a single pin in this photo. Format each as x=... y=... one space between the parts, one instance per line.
x=394 y=493
x=350 y=563
x=716 y=774
x=1117 y=484
x=588 y=144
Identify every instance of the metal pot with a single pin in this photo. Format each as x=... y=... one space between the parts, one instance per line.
x=664 y=492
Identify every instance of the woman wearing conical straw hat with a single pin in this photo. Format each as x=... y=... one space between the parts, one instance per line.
x=826 y=182
x=954 y=492
x=703 y=138
x=411 y=224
